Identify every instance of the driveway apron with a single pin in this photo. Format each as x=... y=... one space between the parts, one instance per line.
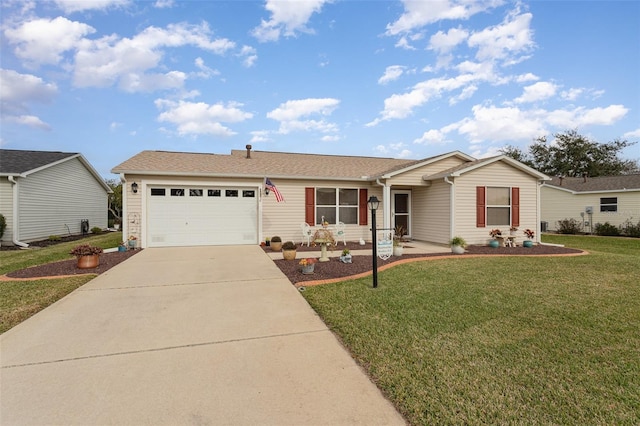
x=190 y=335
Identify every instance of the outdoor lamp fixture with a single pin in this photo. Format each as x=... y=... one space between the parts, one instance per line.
x=134 y=188
x=266 y=191
x=374 y=203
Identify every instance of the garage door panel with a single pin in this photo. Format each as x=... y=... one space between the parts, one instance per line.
x=205 y=216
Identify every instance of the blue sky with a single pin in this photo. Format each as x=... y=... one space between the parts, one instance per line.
x=404 y=79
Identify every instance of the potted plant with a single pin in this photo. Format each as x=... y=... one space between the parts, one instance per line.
x=116 y=225
x=276 y=243
x=529 y=234
x=288 y=250
x=307 y=265
x=346 y=256
x=88 y=256
x=398 y=247
x=267 y=241
x=457 y=245
x=122 y=246
x=512 y=230
x=495 y=233
x=133 y=241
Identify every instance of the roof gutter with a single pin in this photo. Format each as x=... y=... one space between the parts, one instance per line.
x=452 y=205
x=14 y=231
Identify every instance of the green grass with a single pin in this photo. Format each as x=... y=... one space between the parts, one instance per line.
x=21 y=299
x=13 y=260
x=522 y=340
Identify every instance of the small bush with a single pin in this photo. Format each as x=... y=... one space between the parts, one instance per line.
x=606 y=229
x=568 y=226
x=276 y=239
x=289 y=245
x=3 y=224
x=630 y=229
x=55 y=237
x=96 y=230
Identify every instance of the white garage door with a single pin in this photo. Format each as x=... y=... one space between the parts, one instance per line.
x=195 y=216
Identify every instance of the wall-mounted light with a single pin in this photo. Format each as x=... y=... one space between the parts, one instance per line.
x=134 y=188
x=266 y=191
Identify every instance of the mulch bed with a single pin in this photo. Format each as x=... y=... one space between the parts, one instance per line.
x=361 y=264
x=69 y=267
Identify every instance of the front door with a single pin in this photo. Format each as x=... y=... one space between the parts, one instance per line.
x=401 y=210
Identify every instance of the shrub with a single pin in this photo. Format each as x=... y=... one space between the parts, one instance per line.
x=85 y=250
x=630 y=229
x=3 y=224
x=55 y=237
x=289 y=245
x=276 y=239
x=458 y=241
x=568 y=226
x=96 y=230
x=606 y=229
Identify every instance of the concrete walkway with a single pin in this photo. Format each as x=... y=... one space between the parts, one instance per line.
x=194 y=335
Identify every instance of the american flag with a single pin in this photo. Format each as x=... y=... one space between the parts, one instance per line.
x=271 y=187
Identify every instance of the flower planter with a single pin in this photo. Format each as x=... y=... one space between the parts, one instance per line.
x=494 y=243
x=132 y=244
x=527 y=243
x=88 y=262
x=457 y=249
x=288 y=254
x=276 y=245
x=122 y=247
x=346 y=258
x=308 y=269
x=398 y=250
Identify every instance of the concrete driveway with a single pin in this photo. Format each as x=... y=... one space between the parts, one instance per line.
x=193 y=335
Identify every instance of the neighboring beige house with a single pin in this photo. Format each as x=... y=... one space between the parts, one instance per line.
x=612 y=199
x=185 y=199
x=44 y=193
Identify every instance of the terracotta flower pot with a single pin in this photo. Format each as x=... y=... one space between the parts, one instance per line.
x=88 y=262
x=276 y=245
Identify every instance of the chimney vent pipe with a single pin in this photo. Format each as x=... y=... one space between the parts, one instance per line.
x=248 y=151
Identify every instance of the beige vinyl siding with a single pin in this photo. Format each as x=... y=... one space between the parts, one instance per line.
x=414 y=177
x=431 y=213
x=285 y=219
x=6 y=207
x=558 y=204
x=497 y=174
x=54 y=200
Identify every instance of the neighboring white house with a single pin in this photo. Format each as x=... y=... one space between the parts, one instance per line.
x=590 y=201
x=44 y=193
x=181 y=199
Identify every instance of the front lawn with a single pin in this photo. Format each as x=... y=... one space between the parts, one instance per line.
x=21 y=299
x=553 y=340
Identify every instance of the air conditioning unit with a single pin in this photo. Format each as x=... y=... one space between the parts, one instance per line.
x=589 y=209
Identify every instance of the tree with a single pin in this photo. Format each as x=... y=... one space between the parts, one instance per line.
x=573 y=155
x=115 y=199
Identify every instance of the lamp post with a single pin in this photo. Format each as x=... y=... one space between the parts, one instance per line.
x=373 y=206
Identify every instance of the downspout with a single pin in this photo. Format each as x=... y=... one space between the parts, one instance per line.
x=14 y=232
x=125 y=228
x=386 y=202
x=452 y=205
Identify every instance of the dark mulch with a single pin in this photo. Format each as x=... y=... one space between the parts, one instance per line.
x=69 y=267
x=48 y=242
x=336 y=269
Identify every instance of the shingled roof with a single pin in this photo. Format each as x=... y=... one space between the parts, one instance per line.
x=260 y=164
x=597 y=184
x=15 y=162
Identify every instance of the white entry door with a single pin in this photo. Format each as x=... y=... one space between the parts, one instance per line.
x=401 y=210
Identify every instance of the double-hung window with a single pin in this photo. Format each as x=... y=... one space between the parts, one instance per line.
x=498 y=206
x=609 y=204
x=337 y=205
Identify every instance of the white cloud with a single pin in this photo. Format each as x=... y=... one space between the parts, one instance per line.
x=287 y=18
x=205 y=71
x=290 y=115
x=70 y=6
x=445 y=42
x=104 y=61
x=432 y=137
x=505 y=41
x=632 y=134
x=571 y=94
x=260 y=136
x=164 y=4
x=330 y=138
x=420 y=13
x=249 y=54
x=391 y=73
x=537 y=92
x=525 y=78
x=21 y=90
x=43 y=41
x=199 y=118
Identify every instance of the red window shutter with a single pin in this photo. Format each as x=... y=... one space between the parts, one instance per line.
x=363 y=207
x=310 y=206
x=515 y=206
x=481 y=204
